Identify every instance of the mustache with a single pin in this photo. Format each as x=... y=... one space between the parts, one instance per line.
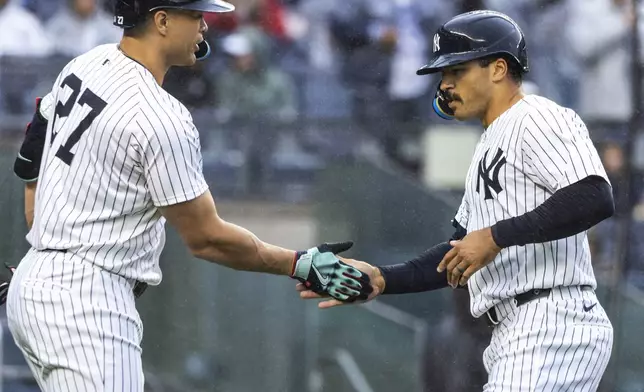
x=452 y=97
x=449 y=96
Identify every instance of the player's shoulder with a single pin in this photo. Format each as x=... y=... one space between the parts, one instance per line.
x=160 y=106
x=540 y=112
x=160 y=112
x=81 y=63
x=537 y=104
x=98 y=52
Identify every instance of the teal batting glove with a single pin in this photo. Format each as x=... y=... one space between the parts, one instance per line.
x=323 y=273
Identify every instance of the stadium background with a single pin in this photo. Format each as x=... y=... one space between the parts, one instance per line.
x=314 y=129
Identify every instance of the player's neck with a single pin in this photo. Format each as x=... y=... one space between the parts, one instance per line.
x=146 y=55
x=499 y=104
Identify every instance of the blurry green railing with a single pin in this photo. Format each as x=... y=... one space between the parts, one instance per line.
x=377 y=347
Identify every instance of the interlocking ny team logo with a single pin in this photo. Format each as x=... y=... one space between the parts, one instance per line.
x=437 y=43
x=490 y=174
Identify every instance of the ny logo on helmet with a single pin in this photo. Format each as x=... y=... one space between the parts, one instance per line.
x=437 y=45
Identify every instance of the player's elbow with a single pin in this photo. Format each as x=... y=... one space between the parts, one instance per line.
x=605 y=202
x=198 y=247
x=607 y=208
x=203 y=243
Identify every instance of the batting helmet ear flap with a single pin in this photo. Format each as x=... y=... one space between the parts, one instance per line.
x=204 y=50
x=440 y=104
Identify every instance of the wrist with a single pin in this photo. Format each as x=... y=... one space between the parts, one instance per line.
x=379 y=281
x=296 y=257
x=495 y=246
x=497 y=237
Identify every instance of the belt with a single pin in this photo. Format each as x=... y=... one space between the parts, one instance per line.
x=519 y=299
x=139 y=287
x=55 y=250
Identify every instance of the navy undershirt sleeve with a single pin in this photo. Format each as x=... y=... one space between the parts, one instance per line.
x=567 y=212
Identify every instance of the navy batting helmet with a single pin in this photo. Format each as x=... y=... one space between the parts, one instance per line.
x=470 y=36
x=474 y=35
x=128 y=13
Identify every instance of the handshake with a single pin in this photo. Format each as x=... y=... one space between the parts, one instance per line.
x=322 y=273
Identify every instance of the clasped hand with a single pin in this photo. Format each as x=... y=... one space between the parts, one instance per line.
x=476 y=250
x=321 y=272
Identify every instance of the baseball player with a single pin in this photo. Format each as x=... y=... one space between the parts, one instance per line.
x=113 y=156
x=535 y=185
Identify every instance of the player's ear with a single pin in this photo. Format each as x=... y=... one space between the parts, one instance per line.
x=499 y=69
x=161 y=21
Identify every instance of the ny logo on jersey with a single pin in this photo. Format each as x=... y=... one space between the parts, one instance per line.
x=490 y=182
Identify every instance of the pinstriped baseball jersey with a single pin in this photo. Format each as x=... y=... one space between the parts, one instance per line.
x=118 y=146
x=529 y=152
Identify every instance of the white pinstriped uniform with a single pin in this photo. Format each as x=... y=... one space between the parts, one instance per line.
x=117 y=148
x=532 y=150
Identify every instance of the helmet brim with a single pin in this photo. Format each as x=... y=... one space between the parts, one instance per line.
x=201 y=6
x=447 y=60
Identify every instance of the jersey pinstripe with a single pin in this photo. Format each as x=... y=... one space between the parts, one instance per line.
x=560 y=343
x=76 y=324
x=533 y=149
x=118 y=147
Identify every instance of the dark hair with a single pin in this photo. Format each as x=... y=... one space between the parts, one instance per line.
x=514 y=69
x=139 y=28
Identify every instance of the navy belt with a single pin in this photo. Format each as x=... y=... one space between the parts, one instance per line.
x=520 y=299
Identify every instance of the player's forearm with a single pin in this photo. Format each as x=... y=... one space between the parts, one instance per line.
x=238 y=248
x=418 y=274
x=569 y=211
x=30 y=202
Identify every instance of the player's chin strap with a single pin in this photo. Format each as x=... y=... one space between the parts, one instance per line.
x=440 y=105
x=204 y=51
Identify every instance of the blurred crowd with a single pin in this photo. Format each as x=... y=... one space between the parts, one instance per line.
x=288 y=59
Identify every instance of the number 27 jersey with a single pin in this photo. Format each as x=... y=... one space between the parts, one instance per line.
x=117 y=148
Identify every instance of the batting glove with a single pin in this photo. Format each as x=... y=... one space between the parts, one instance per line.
x=4 y=286
x=323 y=273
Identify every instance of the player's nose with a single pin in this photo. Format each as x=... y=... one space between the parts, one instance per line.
x=204 y=26
x=446 y=85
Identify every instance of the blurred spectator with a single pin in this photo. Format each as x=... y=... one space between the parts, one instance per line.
x=253 y=87
x=383 y=43
x=553 y=67
x=469 y=5
x=603 y=237
x=598 y=31
x=192 y=86
x=317 y=38
x=221 y=23
x=44 y=9
x=613 y=159
x=22 y=33
x=269 y=15
x=81 y=26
